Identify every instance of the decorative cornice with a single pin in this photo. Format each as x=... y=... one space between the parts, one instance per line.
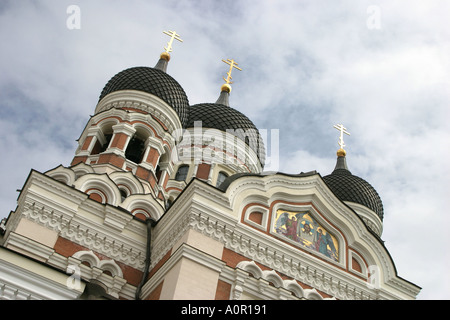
x=20 y=278
x=249 y=278
x=219 y=223
x=142 y=101
x=104 y=229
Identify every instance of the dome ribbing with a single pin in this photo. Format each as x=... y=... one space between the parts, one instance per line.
x=348 y=187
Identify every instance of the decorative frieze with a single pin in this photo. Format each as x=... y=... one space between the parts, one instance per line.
x=97 y=227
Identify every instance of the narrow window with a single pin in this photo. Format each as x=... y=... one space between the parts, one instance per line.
x=106 y=144
x=221 y=178
x=99 y=148
x=135 y=150
x=158 y=172
x=182 y=173
x=123 y=194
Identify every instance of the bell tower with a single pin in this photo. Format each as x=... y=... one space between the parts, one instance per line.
x=91 y=221
x=132 y=128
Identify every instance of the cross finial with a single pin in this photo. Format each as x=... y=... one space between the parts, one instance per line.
x=343 y=130
x=232 y=65
x=173 y=35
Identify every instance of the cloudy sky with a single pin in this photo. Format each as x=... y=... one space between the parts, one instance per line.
x=382 y=68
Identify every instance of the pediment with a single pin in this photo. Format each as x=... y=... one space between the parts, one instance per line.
x=305 y=219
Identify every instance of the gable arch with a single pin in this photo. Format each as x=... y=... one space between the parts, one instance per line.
x=128 y=180
x=357 y=263
x=81 y=169
x=251 y=267
x=312 y=294
x=294 y=287
x=272 y=277
x=111 y=266
x=100 y=182
x=87 y=257
x=143 y=129
x=145 y=205
x=106 y=124
x=62 y=174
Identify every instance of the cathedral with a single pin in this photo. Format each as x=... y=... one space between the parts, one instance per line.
x=164 y=200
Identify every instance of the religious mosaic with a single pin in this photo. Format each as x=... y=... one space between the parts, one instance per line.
x=303 y=229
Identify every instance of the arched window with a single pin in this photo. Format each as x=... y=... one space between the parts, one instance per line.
x=123 y=194
x=169 y=203
x=135 y=150
x=104 y=146
x=158 y=172
x=182 y=173
x=221 y=178
x=163 y=163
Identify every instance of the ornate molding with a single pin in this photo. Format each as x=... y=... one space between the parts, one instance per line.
x=259 y=280
x=100 y=228
x=236 y=238
x=221 y=223
x=145 y=102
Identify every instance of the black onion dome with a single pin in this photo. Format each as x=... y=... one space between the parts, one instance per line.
x=155 y=82
x=224 y=118
x=348 y=187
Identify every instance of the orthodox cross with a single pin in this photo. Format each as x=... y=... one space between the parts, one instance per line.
x=173 y=35
x=232 y=65
x=343 y=130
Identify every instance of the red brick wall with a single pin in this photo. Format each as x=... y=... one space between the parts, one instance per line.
x=78 y=159
x=119 y=141
x=153 y=156
x=223 y=290
x=112 y=159
x=67 y=248
x=356 y=266
x=87 y=142
x=203 y=171
x=155 y=294
x=256 y=217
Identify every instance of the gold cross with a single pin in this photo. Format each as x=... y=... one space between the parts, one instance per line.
x=232 y=65
x=343 y=130
x=173 y=35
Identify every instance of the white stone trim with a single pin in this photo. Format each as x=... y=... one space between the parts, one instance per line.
x=354 y=255
x=24 y=279
x=370 y=218
x=265 y=218
x=211 y=212
x=104 y=229
x=141 y=101
x=184 y=251
x=258 y=285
